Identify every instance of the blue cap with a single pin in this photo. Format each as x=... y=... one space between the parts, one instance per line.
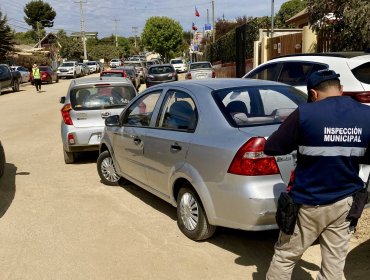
x=318 y=77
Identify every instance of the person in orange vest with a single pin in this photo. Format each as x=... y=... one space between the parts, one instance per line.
x=36 y=77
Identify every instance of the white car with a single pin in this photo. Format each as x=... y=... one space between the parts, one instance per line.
x=70 y=69
x=94 y=66
x=294 y=70
x=179 y=65
x=24 y=73
x=115 y=63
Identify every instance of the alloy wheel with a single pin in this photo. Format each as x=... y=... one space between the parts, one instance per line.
x=108 y=170
x=189 y=210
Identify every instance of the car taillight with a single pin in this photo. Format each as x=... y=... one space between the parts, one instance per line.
x=360 y=96
x=71 y=139
x=188 y=76
x=213 y=74
x=251 y=161
x=65 y=114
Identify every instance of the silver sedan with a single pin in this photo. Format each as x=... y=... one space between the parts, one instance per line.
x=199 y=146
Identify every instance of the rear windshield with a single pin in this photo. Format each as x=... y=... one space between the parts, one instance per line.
x=68 y=64
x=112 y=74
x=260 y=105
x=135 y=64
x=114 y=60
x=101 y=97
x=130 y=72
x=362 y=73
x=43 y=68
x=91 y=63
x=177 y=61
x=200 y=66
x=160 y=70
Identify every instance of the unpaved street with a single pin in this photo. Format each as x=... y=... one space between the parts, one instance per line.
x=58 y=221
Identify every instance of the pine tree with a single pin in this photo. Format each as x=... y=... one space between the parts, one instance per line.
x=6 y=37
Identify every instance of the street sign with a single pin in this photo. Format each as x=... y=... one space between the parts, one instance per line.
x=207 y=27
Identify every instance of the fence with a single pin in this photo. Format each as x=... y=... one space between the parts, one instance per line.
x=228 y=70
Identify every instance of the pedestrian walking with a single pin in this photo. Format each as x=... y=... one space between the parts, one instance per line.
x=331 y=135
x=36 y=77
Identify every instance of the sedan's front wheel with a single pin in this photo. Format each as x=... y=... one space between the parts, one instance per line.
x=191 y=217
x=107 y=171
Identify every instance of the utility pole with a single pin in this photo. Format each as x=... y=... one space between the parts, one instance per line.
x=207 y=16
x=134 y=32
x=83 y=37
x=272 y=17
x=115 y=30
x=213 y=21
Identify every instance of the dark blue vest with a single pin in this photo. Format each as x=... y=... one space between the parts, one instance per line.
x=333 y=136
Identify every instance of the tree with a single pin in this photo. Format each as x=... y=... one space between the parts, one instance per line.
x=347 y=22
x=162 y=35
x=287 y=10
x=39 y=14
x=71 y=47
x=6 y=37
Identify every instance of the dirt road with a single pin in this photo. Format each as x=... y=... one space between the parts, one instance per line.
x=58 y=221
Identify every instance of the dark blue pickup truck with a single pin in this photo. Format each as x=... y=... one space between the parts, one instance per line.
x=9 y=79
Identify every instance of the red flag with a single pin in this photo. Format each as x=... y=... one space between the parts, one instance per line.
x=196 y=12
x=194 y=27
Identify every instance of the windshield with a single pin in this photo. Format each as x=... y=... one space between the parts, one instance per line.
x=91 y=63
x=160 y=70
x=135 y=64
x=68 y=64
x=177 y=61
x=114 y=60
x=101 y=97
x=204 y=65
x=43 y=68
x=112 y=74
x=260 y=105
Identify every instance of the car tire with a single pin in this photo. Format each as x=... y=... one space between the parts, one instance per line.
x=16 y=85
x=2 y=161
x=107 y=171
x=74 y=75
x=191 y=217
x=57 y=79
x=50 y=80
x=69 y=157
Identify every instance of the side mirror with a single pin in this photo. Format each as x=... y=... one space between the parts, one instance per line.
x=62 y=100
x=112 y=121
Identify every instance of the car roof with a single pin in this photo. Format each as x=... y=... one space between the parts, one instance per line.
x=114 y=70
x=160 y=65
x=329 y=54
x=217 y=84
x=100 y=80
x=200 y=62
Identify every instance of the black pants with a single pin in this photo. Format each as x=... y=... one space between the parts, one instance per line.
x=37 y=83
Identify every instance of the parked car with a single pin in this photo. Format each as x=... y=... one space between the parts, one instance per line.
x=94 y=66
x=115 y=62
x=179 y=65
x=140 y=69
x=200 y=70
x=2 y=160
x=70 y=69
x=158 y=74
x=87 y=103
x=199 y=146
x=9 y=79
x=150 y=63
x=294 y=70
x=85 y=69
x=114 y=73
x=48 y=75
x=132 y=75
x=25 y=74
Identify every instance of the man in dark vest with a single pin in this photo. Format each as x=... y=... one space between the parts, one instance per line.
x=331 y=136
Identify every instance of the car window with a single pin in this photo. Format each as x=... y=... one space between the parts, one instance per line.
x=178 y=112
x=295 y=73
x=112 y=74
x=176 y=61
x=205 y=65
x=258 y=105
x=362 y=73
x=161 y=70
x=267 y=72
x=101 y=97
x=317 y=67
x=140 y=113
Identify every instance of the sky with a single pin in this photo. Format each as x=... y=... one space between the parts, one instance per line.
x=100 y=15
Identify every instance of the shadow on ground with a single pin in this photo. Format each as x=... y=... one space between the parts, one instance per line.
x=7 y=188
x=358 y=262
x=86 y=157
x=252 y=248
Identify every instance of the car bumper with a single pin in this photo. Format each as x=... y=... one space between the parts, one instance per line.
x=65 y=74
x=86 y=138
x=181 y=69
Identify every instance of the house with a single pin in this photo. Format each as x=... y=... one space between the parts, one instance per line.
x=299 y=20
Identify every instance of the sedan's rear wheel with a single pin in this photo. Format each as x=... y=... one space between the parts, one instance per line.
x=2 y=161
x=191 y=217
x=69 y=157
x=50 y=80
x=16 y=85
x=106 y=170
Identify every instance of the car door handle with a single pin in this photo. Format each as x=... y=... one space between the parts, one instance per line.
x=175 y=147
x=137 y=140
